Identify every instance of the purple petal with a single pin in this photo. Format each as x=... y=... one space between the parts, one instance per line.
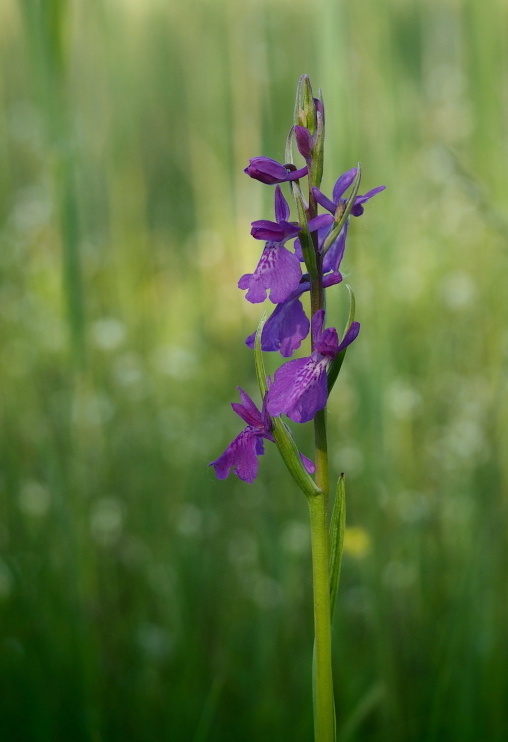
x=308 y=464
x=319 y=107
x=328 y=343
x=264 y=229
x=241 y=455
x=296 y=174
x=285 y=328
x=334 y=255
x=350 y=335
x=342 y=184
x=278 y=271
x=317 y=323
x=323 y=200
x=298 y=250
x=304 y=141
x=321 y=221
x=331 y=279
x=299 y=388
x=248 y=411
x=367 y=196
x=358 y=209
x=282 y=210
x=266 y=170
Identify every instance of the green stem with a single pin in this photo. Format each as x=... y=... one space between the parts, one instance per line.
x=324 y=707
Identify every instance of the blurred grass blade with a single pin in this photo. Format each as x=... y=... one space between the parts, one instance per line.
x=337 y=527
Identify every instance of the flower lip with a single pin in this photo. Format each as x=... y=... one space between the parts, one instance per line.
x=242 y=454
x=299 y=388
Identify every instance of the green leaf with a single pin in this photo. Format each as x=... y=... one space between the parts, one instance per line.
x=283 y=438
x=337 y=527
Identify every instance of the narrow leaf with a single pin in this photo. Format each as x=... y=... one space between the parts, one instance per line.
x=337 y=527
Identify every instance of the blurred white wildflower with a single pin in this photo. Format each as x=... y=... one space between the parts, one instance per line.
x=106 y=521
x=34 y=499
x=108 y=333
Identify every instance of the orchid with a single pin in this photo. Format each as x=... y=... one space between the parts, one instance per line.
x=242 y=453
x=270 y=171
x=288 y=324
x=278 y=269
x=300 y=387
x=337 y=203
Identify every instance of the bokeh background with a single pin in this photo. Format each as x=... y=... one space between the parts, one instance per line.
x=140 y=598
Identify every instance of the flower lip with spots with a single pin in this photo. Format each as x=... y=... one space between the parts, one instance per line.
x=300 y=389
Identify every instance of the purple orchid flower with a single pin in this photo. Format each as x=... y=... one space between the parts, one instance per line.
x=337 y=203
x=288 y=324
x=270 y=171
x=335 y=253
x=299 y=387
x=278 y=270
x=242 y=453
x=280 y=230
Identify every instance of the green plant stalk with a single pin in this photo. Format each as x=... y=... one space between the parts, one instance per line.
x=324 y=706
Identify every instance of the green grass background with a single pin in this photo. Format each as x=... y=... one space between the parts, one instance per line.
x=142 y=600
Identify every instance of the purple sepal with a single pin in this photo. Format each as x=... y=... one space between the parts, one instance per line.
x=358 y=209
x=335 y=253
x=308 y=464
x=270 y=171
x=264 y=229
x=304 y=142
x=249 y=413
x=280 y=230
x=323 y=201
x=341 y=185
x=281 y=206
x=350 y=335
x=278 y=271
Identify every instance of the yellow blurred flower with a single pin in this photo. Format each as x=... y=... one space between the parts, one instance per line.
x=356 y=542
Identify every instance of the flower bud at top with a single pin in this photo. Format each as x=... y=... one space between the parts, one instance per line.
x=304 y=142
x=305 y=108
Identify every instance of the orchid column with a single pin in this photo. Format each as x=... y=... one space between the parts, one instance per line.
x=300 y=387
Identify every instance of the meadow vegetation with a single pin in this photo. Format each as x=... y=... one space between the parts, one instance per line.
x=142 y=600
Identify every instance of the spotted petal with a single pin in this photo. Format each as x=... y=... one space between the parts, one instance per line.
x=278 y=271
x=299 y=388
x=241 y=455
